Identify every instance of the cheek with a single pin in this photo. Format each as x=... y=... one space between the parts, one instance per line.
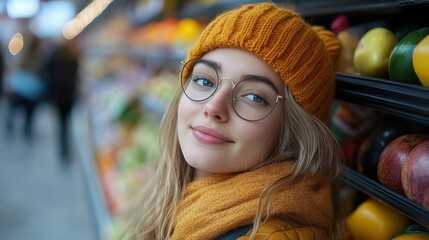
x=271 y=133
x=259 y=141
x=268 y=136
x=185 y=110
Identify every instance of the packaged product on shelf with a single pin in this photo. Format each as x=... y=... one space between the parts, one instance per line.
x=350 y=121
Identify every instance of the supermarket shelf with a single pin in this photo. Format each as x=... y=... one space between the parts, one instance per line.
x=404 y=205
x=198 y=10
x=165 y=56
x=305 y=8
x=153 y=55
x=403 y=100
x=399 y=99
x=82 y=140
x=319 y=8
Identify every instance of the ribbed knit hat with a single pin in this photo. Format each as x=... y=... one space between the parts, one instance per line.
x=303 y=56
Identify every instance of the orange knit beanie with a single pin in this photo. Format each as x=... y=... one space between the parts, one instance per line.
x=303 y=56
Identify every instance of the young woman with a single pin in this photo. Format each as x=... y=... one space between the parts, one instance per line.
x=245 y=152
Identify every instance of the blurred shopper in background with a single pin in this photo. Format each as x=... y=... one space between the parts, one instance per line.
x=26 y=86
x=62 y=74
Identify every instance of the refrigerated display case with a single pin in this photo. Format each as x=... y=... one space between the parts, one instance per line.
x=404 y=101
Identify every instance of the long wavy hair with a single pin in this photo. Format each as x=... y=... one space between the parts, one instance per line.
x=304 y=139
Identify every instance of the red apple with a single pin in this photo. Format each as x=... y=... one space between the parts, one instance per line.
x=393 y=157
x=415 y=173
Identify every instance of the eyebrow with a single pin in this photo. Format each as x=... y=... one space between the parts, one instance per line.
x=218 y=68
x=216 y=65
x=259 y=78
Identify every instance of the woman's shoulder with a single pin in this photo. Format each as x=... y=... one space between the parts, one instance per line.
x=276 y=229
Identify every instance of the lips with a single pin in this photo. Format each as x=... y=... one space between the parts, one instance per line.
x=209 y=135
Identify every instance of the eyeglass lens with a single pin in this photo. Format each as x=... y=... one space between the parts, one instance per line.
x=252 y=99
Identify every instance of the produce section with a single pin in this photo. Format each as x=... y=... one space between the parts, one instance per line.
x=399 y=98
x=148 y=73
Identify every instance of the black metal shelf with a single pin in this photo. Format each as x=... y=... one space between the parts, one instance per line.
x=306 y=8
x=399 y=99
x=319 y=8
x=376 y=190
x=403 y=100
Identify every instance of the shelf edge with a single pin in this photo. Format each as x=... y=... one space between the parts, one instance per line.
x=404 y=205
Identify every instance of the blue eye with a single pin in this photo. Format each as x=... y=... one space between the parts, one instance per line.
x=255 y=98
x=203 y=82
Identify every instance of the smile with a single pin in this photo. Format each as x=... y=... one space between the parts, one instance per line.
x=209 y=136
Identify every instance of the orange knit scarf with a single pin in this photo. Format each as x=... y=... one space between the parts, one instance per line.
x=217 y=204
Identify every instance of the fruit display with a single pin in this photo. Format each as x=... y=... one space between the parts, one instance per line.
x=403 y=167
x=373 y=220
x=378 y=52
x=372 y=147
x=415 y=174
x=420 y=60
x=393 y=158
x=371 y=57
x=408 y=62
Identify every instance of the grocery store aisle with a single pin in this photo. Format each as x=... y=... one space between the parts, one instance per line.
x=39 y=197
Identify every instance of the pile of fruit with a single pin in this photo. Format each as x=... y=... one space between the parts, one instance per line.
x=381 y=53
x=404 y=167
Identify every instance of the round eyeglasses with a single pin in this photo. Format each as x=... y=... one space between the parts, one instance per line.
x=253 y=98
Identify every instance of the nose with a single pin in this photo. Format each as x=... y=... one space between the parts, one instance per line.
x=218 y=106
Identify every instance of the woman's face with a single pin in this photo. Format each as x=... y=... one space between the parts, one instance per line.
x=213 y=138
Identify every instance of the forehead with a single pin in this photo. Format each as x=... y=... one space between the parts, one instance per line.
x=234 y=62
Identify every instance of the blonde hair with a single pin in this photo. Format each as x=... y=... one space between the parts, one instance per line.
x=305 y=140
x=308 y=142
